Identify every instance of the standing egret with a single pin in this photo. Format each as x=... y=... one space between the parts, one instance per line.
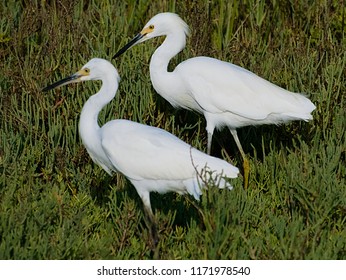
x=226 y=94
x=151 y=158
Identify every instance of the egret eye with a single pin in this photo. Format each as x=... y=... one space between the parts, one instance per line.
x=151 y=26
x=86 y=70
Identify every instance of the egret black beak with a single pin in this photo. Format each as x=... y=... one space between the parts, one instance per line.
x=69 y=80
x=129 y=44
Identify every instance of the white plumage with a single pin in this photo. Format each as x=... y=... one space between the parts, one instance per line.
x=226 y=94
x=151 y=158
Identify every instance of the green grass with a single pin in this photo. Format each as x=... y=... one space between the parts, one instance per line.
x=55 y=203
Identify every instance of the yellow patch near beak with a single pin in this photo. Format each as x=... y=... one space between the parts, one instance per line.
x=84 y=72
x=147 y=30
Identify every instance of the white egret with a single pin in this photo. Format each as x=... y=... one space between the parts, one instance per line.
x=226 y=94
x=151 y=158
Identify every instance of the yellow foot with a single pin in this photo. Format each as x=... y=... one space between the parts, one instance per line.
x=246 y=170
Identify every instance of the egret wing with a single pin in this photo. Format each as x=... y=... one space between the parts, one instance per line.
x=144 y=152
x=219 y=86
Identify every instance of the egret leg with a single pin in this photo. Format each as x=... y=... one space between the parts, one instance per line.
x=151 y=224
x=149 y=216
x=210 y=130
x=210 y=138
x=246 y=164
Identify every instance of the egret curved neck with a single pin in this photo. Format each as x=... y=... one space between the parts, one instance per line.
x=88 y=124
x=171 y=46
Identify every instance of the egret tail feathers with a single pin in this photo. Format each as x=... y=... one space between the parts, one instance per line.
x=301 y=110
x=210 y=171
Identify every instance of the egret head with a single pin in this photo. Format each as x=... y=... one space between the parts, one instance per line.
x=160 y=25
x=95 y=69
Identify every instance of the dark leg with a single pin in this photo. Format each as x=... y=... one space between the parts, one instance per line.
x=149 y=216
x=246 y=164
x=151 y=224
